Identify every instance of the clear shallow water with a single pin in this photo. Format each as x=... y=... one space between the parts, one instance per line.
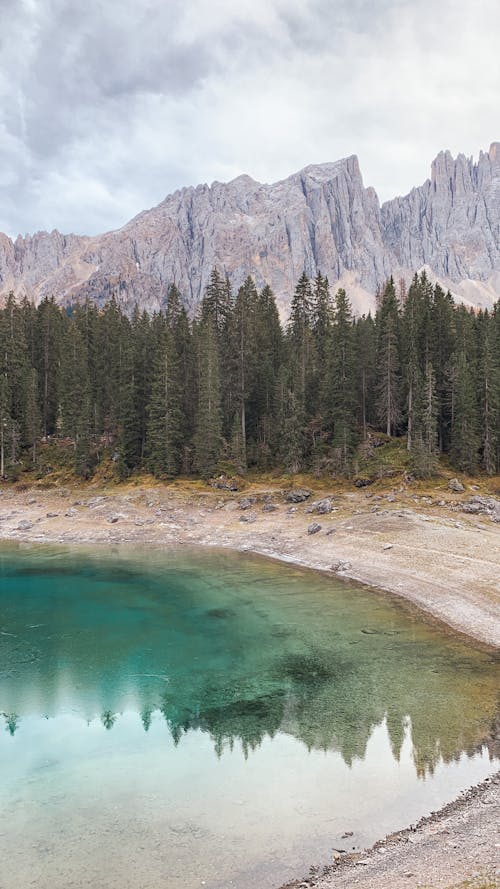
x=202 y=718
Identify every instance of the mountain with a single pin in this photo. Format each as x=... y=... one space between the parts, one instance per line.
x=321 y=218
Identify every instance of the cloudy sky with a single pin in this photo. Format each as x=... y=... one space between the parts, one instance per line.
x=106 y=106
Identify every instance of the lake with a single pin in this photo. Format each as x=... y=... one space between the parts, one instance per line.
x=190 y=718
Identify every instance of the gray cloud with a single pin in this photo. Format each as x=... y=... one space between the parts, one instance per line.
x=107 y=106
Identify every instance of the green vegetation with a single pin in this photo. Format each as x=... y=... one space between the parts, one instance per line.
x=90 y=391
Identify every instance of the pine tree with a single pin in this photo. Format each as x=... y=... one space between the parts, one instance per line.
x=443 y=347
x=164 y=442
x=31 y=414
x=342 y=381
x=490 y=392
x=267 y=361
x=465 y=433
x=6 y=422
x=300 y=339
x=388 y=361
x=50 y=323
x=208 y=436
x=243 y=334
x=425 y=443
x=365 y=342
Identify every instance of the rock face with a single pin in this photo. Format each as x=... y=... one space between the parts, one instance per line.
x=322 y=218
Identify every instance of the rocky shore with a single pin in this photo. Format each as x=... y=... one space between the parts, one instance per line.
x=455 y=847
x=440 y=553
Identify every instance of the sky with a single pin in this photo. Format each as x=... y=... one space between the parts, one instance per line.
x=107 y=106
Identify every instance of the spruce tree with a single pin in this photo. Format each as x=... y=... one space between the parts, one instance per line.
x=425 y=440
x=342 y=381
x=164 y=441
x=388 y=360
x=465 y=441
x=208 y=436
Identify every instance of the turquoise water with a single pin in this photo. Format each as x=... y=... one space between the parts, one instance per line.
x=193 y=718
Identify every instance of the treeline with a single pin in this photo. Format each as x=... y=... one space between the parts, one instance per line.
x=173 y=396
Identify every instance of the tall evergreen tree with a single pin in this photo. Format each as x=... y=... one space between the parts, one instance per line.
x=208 y=436
x=388 y=360
x=342 y=381
x=165 y=411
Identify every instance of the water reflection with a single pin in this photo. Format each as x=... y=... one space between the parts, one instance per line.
x=239 y=649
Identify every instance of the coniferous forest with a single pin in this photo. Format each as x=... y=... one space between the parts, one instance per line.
x=170 y=395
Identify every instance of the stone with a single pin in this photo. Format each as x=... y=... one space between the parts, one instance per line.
x=52 y=515
x=313 y=528
x=248 y=517
x=478 y=505
x=340 y=566
x=269 y=507
x=246 y=503
x=388 y=546
x=25 y=525
x=456 y=485
x=223 y=483
x=297 y=495
x=321 y=507
x=70 y=513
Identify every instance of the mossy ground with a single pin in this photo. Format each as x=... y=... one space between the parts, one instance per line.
x=382 y=466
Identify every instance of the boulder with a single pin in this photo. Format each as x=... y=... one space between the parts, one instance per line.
x=297 y=495
x=362 y=482
x=248 y=517
x=478 y=505
x=222 y=483
x=321 y=507
x=456 y=485
x=246 y=503
x=313 y=528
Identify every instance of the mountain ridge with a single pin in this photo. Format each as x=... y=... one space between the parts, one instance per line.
x=320 y=218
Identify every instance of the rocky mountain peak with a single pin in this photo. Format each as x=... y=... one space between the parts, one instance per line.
x=321 y=218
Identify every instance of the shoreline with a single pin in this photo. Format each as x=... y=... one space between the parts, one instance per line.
x=440 y=560
x=436 y=559
x=427 y=851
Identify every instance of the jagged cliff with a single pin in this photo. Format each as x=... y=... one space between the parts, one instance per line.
x=320 y=218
